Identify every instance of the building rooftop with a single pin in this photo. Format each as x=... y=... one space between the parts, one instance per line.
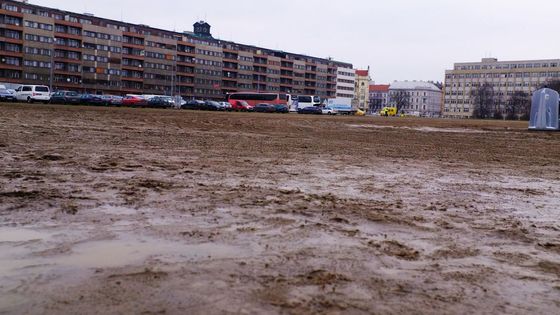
x=413 y=85
x=362 y=73
x=379 y=88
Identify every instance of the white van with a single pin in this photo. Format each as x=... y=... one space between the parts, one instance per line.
x=33 y=93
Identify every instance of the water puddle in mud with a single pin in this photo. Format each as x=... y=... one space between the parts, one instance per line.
x=129 y=251
x=17 y=235
x=16 y=252
x=27 y=255
x=422 y=129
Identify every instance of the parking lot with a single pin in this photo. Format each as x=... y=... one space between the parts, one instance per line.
x=120 y=210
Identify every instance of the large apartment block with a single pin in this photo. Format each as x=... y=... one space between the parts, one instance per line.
x=81 y=52
x=506 y=77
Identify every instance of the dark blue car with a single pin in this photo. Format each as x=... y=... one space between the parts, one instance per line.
x=65 y=97
x=311 y=110
x=92 y=99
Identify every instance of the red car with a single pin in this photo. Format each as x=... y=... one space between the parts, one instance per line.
x=242 y=106
x=134 y=101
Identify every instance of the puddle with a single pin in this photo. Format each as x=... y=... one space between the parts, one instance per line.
x=17 y=235
x=21 y=261
x=123 y=252
x=448 y=130
x=422 y=129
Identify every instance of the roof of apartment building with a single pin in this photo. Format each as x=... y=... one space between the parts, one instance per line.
x=414 y=85
x=379 y=88
x=362 y=73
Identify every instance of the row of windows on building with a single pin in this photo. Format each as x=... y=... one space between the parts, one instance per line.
x=345 y=81
x=348 y=74
x=103 y=36
x=554 y=74
x=466 y=99
x=409 y=93
x=457 y=109
x=508 y=66
x=493 y=84
x=415 y=107
x=342 y=95
x=461 y=90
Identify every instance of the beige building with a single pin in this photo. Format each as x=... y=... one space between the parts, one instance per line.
x=361 y=97
x=506 y=77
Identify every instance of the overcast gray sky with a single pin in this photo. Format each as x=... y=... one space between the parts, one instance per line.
x=398 y=39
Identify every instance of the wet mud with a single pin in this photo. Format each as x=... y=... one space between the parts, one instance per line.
x=114 y=210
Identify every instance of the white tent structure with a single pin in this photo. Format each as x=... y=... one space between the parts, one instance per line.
x=545 y=110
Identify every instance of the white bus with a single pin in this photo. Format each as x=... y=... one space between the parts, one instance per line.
x=304 y=101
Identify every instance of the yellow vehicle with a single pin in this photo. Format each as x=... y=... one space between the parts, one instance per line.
x=388 y=111
x=360 y=112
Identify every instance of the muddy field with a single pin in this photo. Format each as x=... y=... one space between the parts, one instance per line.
x=112 y=210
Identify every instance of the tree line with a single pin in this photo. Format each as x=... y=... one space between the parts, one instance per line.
x=490 y=105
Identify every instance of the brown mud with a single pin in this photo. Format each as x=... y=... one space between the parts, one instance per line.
x=115 y=210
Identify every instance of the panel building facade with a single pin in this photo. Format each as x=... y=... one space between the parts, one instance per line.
x=81 y=52
x=505 y=77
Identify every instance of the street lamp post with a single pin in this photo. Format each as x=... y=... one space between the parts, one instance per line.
x=51 y=70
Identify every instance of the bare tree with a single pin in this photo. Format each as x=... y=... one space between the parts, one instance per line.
x=518 y=106
x=438 y=84
x=552 y=84
x=484 y=101
x=399 y=99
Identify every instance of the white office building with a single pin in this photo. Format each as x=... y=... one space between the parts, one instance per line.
x=422 y=98
x=345 y=86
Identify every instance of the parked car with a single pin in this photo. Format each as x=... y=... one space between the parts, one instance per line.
x=284 y=109
x=107 y=100
x=226 y=105
x=161 y=102
x=65 y=97
x=311 y=110
x=329 y=111
x=211 y=105
x=116 y=100
x=193 y=105
x=265 y=108
x=33 y=93
x=91 y=99
x=134 y=101
x=7 y=95
x=242 y=106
